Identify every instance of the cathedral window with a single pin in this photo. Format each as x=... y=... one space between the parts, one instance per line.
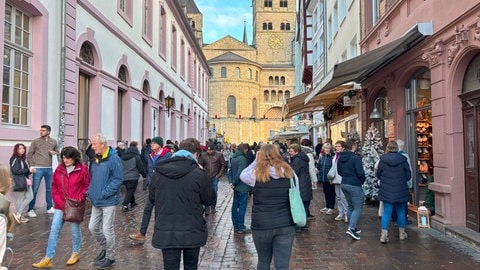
x=280 y=96
x=236 y=73
x=267 y=3
x=266 y=95
x=287 y=26
x=270 y=80
x=282 y=26
x=277 y=82
x=270 y=26
x=223 y=72
x=231 y=105
x=249 y=73
x=273 y=97
x=283 y=3
x=287 y=94
x=282 y=80
x=265 y=26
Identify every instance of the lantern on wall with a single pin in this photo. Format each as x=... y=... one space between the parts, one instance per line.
x=423 y=217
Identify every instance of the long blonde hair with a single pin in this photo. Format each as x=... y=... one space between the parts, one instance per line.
x=5 y=179
x=269 y=156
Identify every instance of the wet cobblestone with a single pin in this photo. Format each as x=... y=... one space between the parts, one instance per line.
x=324 y=246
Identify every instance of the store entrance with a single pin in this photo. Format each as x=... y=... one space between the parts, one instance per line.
x=471 y=133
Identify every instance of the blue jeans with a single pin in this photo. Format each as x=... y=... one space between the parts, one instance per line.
x=101 y=226
x=46 y=173
x=147 y=214
x=387 y=213
x=239 y=207
x=214 y=181
x=275 y=242
x=171 y=258
x=355 y=198
x=57 y=224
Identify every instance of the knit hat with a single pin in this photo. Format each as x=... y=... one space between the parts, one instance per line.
x=210 y=146
x=158 y=140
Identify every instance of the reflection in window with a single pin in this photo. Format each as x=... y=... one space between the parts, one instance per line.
x=231 y=105
x=224 y=72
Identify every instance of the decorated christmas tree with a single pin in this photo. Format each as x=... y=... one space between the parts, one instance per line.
x=372 y=149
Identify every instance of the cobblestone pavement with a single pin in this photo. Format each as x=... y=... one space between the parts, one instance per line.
x=324 y=246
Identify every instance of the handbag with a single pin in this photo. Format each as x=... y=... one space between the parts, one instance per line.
x=74 y=209
x=296 y=205
x=332 y=172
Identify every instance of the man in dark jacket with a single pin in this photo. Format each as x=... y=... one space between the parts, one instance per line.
x=157 y=154
x=214 y=165
x=179 y=188
x=240 y=195
x=132 y=169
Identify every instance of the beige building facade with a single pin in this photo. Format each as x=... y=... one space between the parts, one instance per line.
x=249 y=83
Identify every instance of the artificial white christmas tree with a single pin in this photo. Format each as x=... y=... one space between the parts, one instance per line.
x=372 y=149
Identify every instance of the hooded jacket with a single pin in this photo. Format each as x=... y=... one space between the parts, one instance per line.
x=239 y=163
x=299 y=163
x=106 y=177
x=132 y=165
x=76 y=184
x=394 y=173
x=350 y=168
x=178 y=190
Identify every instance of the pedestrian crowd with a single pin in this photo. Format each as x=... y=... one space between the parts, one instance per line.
x=182 y=178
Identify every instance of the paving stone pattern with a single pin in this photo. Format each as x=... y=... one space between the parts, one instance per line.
x=324 y=246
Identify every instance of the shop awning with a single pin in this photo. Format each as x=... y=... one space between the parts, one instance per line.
x=297 y=105
x=366 y=65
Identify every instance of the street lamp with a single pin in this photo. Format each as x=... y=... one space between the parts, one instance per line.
x=376 y=115
x=168 y=104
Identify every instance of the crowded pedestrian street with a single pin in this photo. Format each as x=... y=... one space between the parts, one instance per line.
x=324 y=246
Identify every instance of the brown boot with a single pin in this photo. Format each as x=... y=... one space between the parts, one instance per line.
x=74 y=258
x=402 y=234
x=44 y=263
x=384 y=237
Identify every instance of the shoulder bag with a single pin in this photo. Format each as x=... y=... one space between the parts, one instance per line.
x=19 y=180
x=296 y=205
x=74 y=209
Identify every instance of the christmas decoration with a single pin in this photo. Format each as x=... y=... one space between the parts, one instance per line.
x=372 y=149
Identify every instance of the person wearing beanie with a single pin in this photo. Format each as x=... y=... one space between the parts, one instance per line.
x=214 y=165
x=157 y=154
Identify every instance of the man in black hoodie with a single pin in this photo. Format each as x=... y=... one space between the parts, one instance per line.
x=132 y=169
x=351 y=169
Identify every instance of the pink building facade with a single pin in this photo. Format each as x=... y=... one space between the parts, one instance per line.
x=85 y=67
x=430 y=98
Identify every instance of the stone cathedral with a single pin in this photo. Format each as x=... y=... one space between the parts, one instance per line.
x=249 y=82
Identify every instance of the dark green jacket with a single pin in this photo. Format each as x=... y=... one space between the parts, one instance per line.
x=239 y=163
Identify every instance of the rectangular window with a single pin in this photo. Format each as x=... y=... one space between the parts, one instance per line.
x=147 y=21
x=163 y=34
x=124 y=9
x=17 y=56
x=283 y=3
x=223 y=72
x=182 y=59
x=268 y=3
x=174 y=47
x=353 y=47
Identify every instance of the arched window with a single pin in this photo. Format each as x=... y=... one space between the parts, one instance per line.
x=236 y=73
x=86 y=53
x=270 y=80
x=122 y=74
x=280 y=95
x=254 y=107
x=270 y=26
x=224 y=72
x=249 y=73
x=265 y=96
x=287 y=94
x=277 y=82
x=282 y=80
x=273 y=97
x=146 y=87
x=287 y=27
x=282 y=26
x=231 y=105
x=265 y=26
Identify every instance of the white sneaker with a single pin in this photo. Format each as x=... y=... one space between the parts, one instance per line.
x=339 y=217
x=330 y=212
x=324 y=210
x=51 y=210
x=32 y=213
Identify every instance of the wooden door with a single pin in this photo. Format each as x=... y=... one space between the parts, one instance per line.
x=471 y=131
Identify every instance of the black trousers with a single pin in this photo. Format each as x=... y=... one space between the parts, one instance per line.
x=131 y=187
x=171 y=258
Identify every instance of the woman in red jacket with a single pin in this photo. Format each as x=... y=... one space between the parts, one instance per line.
x=72 y=177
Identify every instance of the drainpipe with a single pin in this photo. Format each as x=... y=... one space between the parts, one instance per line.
x=61 y=132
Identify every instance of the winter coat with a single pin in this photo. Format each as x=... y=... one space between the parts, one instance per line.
x=106 y=176
x=271 y=204
x=350 y=168
x=76 y=184
x=19 y=169
x=214 y=164
x=132 y=165
x=325 y=162
x=394 y=173
x=152 y=162
x=178 y=190
x=299 y=163
x=239 y=163
x=311 y=162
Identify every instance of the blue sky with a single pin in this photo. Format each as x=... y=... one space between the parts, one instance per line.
x=225 y=17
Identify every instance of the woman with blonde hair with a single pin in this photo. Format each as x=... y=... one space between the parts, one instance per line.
x=5 y=216
x=273 y=229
